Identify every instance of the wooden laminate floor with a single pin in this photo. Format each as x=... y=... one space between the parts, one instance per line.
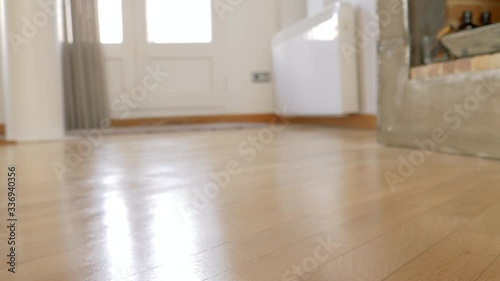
x=308 y=203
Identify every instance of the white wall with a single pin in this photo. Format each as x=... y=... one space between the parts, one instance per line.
x=314 y=7
x=243 y=46
x=291 y=11
x=249 y=31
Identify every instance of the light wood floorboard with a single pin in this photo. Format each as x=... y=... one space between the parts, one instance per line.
x=127 y=210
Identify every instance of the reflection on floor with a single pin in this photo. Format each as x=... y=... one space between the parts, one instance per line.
x=263 y=204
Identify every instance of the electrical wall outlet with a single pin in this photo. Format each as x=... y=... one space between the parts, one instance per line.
x=261 y=77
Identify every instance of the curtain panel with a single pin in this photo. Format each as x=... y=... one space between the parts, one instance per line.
x=86 y=99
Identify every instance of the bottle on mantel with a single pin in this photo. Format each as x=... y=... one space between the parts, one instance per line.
x=467 y=23
x=486 y=18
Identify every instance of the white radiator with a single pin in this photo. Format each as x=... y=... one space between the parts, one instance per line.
x=315 y=65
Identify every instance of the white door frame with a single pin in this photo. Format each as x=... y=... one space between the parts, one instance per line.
x=196 y=84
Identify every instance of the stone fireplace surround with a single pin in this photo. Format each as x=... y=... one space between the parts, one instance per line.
x=461 y=109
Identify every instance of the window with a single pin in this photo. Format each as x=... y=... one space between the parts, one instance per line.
x=179 y=21
x=111 y=21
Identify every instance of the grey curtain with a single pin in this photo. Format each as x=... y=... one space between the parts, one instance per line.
x=86 y=99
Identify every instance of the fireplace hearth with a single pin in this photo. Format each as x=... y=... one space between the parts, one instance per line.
x=458 y=98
